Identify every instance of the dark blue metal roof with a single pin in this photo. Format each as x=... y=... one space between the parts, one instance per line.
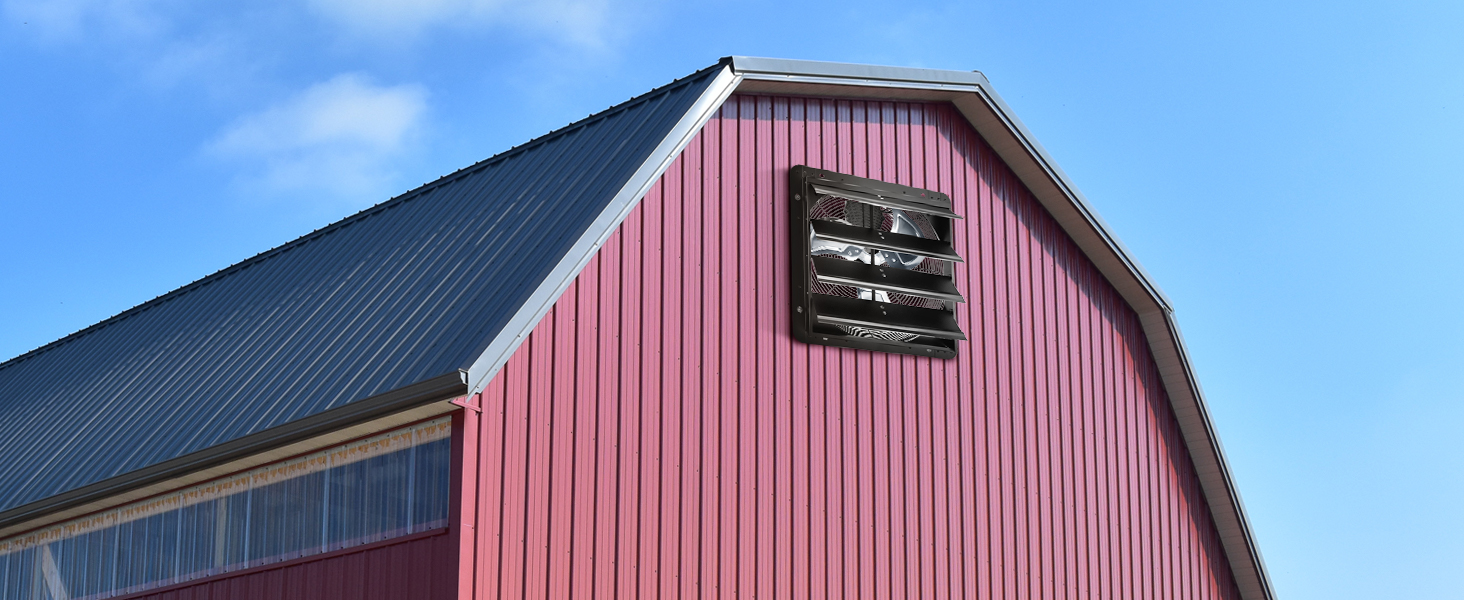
x=407 y=291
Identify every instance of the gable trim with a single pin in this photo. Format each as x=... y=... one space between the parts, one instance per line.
x=517 y=330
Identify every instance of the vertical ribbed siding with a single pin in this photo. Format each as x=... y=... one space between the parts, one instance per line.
x=661 y=435
x=417 y=566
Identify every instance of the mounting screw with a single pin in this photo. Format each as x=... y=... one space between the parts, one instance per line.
x=797 y=196
x=800 y=309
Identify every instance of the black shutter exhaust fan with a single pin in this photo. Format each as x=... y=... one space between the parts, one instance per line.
x=872 y=265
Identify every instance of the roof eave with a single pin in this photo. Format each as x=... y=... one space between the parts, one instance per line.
x=233 y=455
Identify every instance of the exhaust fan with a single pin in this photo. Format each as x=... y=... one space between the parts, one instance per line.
x=872 y=265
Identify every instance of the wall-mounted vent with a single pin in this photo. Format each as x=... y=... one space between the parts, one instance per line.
x=872 y=265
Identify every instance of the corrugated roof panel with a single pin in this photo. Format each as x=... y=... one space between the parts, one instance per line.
x=400 y=293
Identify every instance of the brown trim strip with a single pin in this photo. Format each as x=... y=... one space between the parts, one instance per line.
x=287 y=563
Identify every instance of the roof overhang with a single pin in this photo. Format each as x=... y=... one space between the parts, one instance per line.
x=974 y=97
x=422 y=400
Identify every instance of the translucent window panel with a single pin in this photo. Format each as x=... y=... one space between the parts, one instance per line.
x=430 y=484
x=373 y=489
x=278 y=527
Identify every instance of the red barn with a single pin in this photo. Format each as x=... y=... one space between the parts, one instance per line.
x=779 y=329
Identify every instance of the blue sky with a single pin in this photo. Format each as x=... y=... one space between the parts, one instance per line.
x=1286 y=172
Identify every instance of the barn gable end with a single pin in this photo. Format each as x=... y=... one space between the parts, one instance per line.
x=660 y=432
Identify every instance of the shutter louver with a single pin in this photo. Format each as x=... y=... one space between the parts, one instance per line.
x=872 y=265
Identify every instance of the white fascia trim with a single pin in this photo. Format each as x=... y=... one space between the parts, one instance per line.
x=1076 y=197
x=559 y=279
x=810 y=71
x=1252 y=563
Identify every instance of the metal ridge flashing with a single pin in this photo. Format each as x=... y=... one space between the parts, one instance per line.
x=787 y=68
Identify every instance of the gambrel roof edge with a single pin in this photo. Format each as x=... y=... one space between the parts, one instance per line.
x=973 y=96
x=1061 y=197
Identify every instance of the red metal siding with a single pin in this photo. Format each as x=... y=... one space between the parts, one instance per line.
x=660 y=434
x=415 y=566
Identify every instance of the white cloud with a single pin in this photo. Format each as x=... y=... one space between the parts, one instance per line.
x=75 y=20
x=579 y=22
x=339 y=139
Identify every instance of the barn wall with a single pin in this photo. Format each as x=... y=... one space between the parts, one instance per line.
x=661 y=435
x=416 y=566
